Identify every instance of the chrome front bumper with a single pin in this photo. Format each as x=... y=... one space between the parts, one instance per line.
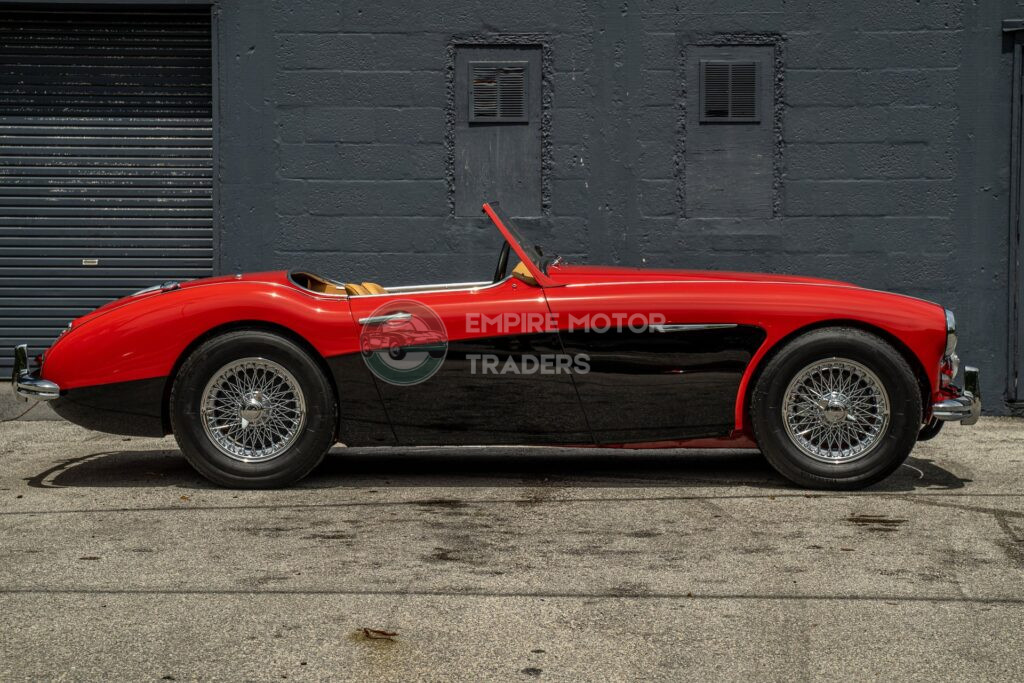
x=25 y=383
x=967 y=406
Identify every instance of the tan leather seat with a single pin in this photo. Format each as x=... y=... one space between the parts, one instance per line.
x=374 y=288
x=353 y=289
x=331 y=289
x=521 y=272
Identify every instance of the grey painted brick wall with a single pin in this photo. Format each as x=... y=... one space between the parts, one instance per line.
x=893 y=142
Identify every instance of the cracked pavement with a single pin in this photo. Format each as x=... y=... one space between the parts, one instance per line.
x=117 y=561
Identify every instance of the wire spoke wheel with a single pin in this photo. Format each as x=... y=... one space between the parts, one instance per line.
x=253 y=410
x=836 y=410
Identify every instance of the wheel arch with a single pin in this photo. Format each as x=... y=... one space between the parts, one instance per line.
x=235 y=326
x=765 y=356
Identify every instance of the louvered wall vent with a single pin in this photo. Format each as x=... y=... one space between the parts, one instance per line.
x=728 y=92
x=498 y=92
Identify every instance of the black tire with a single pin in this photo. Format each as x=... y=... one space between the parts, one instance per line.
x=310 y=443
x=894 y=443
x=930 y=430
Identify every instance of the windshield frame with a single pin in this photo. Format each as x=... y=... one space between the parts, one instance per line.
x=527 y=253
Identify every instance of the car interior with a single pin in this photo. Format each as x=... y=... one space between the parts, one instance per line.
x=510 y=238
x=324 y=285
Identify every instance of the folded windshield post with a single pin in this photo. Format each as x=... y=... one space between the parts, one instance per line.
x=529 y=255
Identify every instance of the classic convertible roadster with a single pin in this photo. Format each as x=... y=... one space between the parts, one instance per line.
x=258 y=375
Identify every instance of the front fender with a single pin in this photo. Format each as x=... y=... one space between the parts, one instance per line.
x=914 y=326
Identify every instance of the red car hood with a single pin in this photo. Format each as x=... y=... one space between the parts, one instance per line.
x=582 y=274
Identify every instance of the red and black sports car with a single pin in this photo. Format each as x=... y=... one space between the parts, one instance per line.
x=258 y=375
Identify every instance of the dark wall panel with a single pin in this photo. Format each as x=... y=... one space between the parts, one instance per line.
x=106 y=159
x=729 y=166
x=497 y=161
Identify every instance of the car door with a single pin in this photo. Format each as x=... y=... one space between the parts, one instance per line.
x=663 y=365
x=470 y=366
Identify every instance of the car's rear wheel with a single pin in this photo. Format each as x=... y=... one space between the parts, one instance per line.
x=836 y=408
x=251 y=409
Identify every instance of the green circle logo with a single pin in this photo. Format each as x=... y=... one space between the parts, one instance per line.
x=403 y=342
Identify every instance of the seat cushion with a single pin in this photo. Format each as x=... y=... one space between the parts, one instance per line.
x=374 y=288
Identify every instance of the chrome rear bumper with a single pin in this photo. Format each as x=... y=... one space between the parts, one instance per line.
x=25 y=383
x=967 y=406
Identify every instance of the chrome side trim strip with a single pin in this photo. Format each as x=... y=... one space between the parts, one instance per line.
x=690 y=327
x=438 y=287
x=435 y=289
x=378 y=319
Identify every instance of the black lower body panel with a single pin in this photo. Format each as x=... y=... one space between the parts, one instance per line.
x=129 y=408
x=462 y=404
x=361 y=417
x=661 y=386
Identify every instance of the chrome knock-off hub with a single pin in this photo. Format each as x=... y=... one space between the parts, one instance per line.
x=253 y=410
x=835 y=409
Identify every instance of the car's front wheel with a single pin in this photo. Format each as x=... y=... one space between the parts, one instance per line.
x=836 y=408
x=251 y=409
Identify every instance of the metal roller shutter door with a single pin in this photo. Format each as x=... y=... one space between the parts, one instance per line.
x=106 y=159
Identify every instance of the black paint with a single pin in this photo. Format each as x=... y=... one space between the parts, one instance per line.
x=655 y=386
x=459 y=406
x=362 y=419
x=646 y=386
x=130 y=408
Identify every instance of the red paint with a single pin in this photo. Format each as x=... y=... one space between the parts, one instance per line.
x=143 y=337
x=738 y=441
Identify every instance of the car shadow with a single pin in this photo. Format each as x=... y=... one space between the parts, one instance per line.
x=513 y=467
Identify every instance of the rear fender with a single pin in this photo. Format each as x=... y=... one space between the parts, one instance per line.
x=145 y=339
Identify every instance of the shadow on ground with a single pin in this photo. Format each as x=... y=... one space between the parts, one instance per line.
x=483 y=467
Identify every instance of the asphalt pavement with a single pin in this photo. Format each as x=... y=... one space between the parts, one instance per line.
x=117 y=562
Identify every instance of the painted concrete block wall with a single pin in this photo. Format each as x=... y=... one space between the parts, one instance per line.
x=891 y=133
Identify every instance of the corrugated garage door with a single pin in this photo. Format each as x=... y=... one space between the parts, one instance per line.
x=106 y=159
